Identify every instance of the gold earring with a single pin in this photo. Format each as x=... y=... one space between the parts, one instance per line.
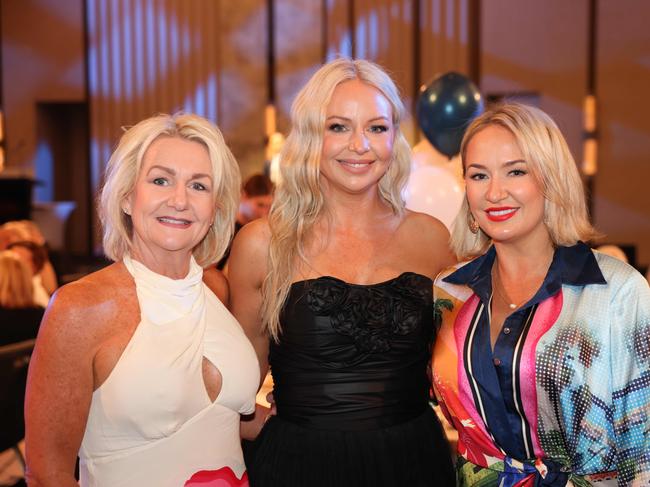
x=472 y=224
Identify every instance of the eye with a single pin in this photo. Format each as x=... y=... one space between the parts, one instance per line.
x=336 y=127
x=160 y=181
x=199 y=186
x=477 y=176
x=378 y=129
x=518 y=172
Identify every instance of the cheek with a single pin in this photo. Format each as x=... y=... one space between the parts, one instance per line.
x=330 y=146
x=472 y=192
x=384 y=148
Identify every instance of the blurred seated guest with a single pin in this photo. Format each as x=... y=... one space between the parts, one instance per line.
x=255 y=202
x=28 y=231
x=35 y=256
x=256 y=199
x=613 y=251
x=19 y=315
x=542 y=362
x=139 y=367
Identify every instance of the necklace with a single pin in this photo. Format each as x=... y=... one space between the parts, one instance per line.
x=501 y=292
x=496 y=285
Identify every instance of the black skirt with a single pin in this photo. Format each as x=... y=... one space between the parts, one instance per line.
x=410 y=454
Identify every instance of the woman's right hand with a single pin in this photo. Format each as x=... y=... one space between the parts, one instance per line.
x=252 y=424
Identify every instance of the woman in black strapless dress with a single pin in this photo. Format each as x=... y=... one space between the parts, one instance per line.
x=335 y=292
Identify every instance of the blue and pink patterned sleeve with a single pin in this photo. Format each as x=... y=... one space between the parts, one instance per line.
x=630 y=368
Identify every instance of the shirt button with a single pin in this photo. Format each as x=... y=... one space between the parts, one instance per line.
x=497 y=361
x=506 y=331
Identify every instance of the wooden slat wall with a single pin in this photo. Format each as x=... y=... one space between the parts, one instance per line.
x=384 y=31
x=147 y=57
x=445 y=37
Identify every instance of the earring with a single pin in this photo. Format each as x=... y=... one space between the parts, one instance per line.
x=472 y=224
x=126 y=212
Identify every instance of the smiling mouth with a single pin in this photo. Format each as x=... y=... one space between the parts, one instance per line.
x=500 y=214
x=355 y=164
x=173 y=221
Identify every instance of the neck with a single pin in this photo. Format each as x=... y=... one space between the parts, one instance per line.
x=518 y=273
x=175 y=265
x=355 y=210
x=517 y=262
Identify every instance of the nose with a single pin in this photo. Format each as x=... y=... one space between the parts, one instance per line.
x=496 y=190
x=178 y=198
x=358 y=142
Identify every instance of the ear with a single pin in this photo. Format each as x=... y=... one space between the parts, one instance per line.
x=126 y=204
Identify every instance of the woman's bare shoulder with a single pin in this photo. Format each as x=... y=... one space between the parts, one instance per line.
x=255 y=234
x=92 y=301
x=217 y=283
x=427 y=225
x=425 y=239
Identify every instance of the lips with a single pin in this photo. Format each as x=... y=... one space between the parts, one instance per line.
x=356 y=165
x=176 y=222
x=500 y=214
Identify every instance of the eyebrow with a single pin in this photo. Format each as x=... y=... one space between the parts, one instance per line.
x=381 y=117
x=171 y=172
x=505 y=164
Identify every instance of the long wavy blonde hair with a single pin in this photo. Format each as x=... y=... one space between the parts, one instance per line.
x=299 y=200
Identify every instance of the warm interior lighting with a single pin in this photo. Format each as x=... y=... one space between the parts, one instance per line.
x=590 y=145
x=590 y=157
x=269 y=120
x=590 y=113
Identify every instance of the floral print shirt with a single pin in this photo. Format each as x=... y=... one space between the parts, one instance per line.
x=564 y=396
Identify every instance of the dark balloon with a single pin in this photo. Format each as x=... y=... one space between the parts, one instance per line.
x=445 y=108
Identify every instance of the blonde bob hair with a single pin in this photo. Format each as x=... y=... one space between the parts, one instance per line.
x=16 y=288
x=551 y=164
x=124 y=167
x=299 y=201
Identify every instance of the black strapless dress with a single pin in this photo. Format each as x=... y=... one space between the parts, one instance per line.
x=351 y=390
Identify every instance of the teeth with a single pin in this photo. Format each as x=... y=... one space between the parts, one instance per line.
x=352 y=164
x=172 y=220
x=501 y=212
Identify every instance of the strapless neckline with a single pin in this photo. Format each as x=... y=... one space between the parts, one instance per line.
x=352 y=284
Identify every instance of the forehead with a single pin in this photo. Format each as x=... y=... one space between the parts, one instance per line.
x=177 y=153
x=492 y=142
x=356 y=95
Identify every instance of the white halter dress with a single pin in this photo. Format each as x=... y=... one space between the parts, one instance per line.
x=151 y=423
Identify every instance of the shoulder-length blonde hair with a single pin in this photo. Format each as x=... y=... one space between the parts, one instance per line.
x=299 y=200
x=552 y=165
x=16 y=288
x=124 y=167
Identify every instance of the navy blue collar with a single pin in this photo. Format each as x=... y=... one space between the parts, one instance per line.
x=573 y=266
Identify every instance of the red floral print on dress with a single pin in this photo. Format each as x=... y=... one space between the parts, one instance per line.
x=224 y=477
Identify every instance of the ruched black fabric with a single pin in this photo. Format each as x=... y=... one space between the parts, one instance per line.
x=351 y=389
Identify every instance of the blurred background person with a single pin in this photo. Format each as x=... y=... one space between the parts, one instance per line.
x=139 y=367
x=542 y=360
x=35 y=256
x=20 y=316
x=256 y=199
x=613 y=251
x=28 y=231
x=255 y=202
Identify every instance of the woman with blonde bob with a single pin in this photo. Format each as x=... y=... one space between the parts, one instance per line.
x=335 y=292
x=20 y=317
x=542 y=360
x=139 y=368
